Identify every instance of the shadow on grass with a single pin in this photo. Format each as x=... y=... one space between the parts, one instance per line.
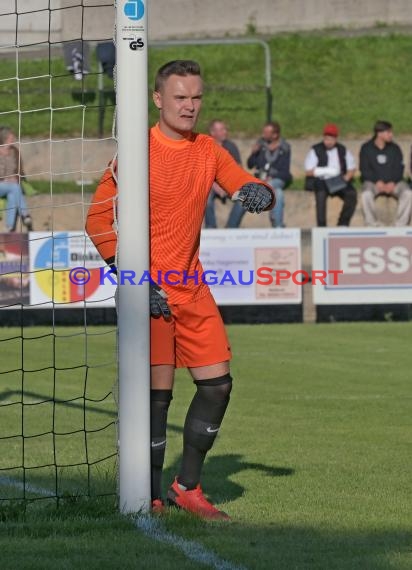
x=299 y=547
x=253 y=547
x=278 y=543
x=217 y=472
x=220 y=468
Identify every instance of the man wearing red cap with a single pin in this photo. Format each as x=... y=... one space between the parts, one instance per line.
x=330 y=168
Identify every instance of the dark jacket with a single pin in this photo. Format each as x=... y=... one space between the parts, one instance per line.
x=232 y=149
x=271 y=164
x=376 y=164
x=322 y=155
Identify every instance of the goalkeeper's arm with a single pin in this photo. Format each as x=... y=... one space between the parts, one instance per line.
x=254 y=194
x=101 y=215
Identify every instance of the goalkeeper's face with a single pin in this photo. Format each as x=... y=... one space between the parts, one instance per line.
x=179 y=101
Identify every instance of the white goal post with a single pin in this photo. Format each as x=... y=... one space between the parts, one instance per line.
x=133 y=254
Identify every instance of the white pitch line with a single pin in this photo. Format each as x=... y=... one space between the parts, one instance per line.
x=193 y=550
x=9 y=482
x=151 y=528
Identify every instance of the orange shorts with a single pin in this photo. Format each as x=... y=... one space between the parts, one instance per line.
x=195 y=336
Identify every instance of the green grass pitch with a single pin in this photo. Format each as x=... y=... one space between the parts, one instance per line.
x=313 y=461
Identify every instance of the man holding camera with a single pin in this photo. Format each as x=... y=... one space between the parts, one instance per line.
x=271 y=157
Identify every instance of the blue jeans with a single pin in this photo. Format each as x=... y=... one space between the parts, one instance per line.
x=275 y=215
x=210 y=216
x=235 y=217
x=16 y=202
x=236 y=214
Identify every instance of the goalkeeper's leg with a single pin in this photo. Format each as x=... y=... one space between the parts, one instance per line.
x=202 y=424
x=159 y=407
x=162 y=377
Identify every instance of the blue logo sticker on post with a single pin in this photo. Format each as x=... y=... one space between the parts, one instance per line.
x=134 y=9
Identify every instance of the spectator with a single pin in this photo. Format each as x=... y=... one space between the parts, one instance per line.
x=270 y=157
x=330 y=168
x=218 y=130
x=381 y=167
x=10 y=175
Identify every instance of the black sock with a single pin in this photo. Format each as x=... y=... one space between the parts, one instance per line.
x=159 y=406
x=202 y=423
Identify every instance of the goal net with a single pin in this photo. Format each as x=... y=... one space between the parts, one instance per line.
x=58 y=414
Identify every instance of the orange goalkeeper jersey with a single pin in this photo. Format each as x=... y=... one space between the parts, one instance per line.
x=181 y=173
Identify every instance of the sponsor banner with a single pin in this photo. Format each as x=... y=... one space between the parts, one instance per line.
x=52 y=258
x=248 y=251
x=14 y=270
x=63 y=269
x=375 y=265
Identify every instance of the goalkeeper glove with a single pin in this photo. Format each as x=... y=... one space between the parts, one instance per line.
x=111 y=262
x=254 y=197
x=158 y=303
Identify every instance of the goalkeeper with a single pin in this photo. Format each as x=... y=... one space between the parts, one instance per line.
x=186 y=328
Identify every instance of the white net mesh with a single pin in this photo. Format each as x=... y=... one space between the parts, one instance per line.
x=57 y=414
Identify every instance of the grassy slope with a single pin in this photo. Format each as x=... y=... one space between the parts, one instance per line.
x=316 y=78
x=313 y=461
x=353 y=81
